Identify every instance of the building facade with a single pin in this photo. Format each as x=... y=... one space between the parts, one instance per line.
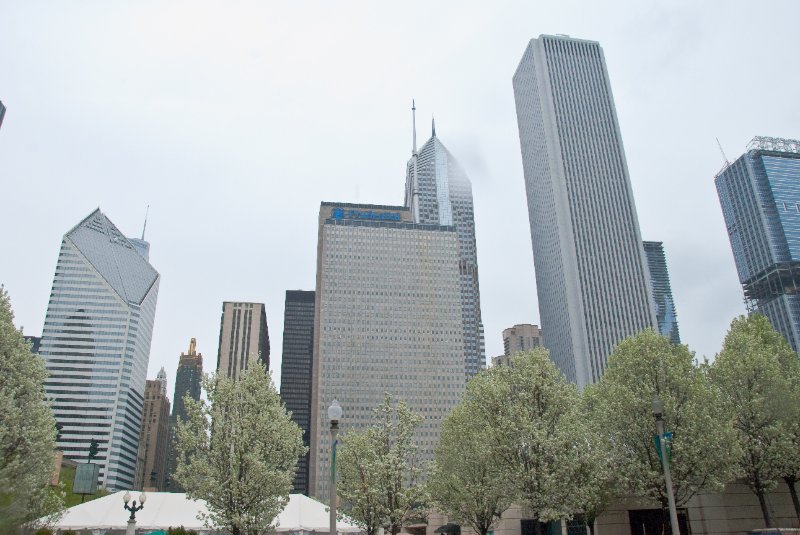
x=591 y=275
x=35 y=343
x=296 y=364
x=522 y=337
x=154 y=437
x=242 y=334
x=188 y=382
x=666 y=315
x=387 y=319
x=760 y=198
x=96 y=346
x=439 y=192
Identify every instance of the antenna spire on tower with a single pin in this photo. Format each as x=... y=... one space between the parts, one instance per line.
x=414 y=124
x=433 y=127
x=147 y=212
x=723 y=152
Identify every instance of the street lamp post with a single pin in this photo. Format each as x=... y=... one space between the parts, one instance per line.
x=133 y=508
x=334 y=415
x=658 y=412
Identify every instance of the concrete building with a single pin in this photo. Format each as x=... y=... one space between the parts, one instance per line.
x=666 y=316
x=96 y=346
x=387 y=319
x=242 y=334
x=760 y=198
x=187 y=383
x=522 y=337
x=154 y=437
x=296 y=364
x=439 y=192
x=591 y=275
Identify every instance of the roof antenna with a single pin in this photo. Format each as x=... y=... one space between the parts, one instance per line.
x=145 y=221
x=433 y=127
x=723 y=152
x=414 y=125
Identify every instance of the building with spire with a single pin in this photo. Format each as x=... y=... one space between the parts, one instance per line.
x=96 y=346
x=439 y=192
x=151 y=470
x=760 y=198
x=591 y=273
x=188 y=382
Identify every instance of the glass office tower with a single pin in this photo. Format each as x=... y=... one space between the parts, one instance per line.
x=760 y=198
x=439 y=192
x=666 y=316
x=96 y=346
x=591 y=276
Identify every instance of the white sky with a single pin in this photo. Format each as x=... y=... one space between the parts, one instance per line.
x=234 y=120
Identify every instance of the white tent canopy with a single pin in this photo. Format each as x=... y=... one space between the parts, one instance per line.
x=163 y=510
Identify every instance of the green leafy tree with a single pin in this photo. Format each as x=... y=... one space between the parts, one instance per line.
x=238 y=451
x=750 y=373
x=703 y=447
x=466 y=483
x=380 y=471
x=534 y=424
x=791 y=422
x=27 y=431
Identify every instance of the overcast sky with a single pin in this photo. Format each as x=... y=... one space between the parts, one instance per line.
x=233 y=120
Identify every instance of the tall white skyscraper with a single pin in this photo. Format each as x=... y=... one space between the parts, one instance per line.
x=96 y=346
x=386 y=319
x=591 y=274
x=439 y=192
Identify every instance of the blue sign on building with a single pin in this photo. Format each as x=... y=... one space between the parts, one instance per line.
x=341 y=213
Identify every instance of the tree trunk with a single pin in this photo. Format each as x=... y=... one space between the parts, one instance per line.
x=764 y=509
x=790 y=481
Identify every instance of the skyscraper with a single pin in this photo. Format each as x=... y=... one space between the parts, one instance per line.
x=2 y=112
x=154 y=436
x=187 y=382
x=298 y=352
x=522 y=337
x=387 y=319
x=591 y=276
x=438 y=192
x=666 y=316
x=96 y=346
x=242 y=334
x=760 y=198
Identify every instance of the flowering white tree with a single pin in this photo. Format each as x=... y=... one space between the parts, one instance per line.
x=238 y=451
x=27 y=431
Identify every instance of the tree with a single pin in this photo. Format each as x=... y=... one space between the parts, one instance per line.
x=621 y=411
x=466 y=483
x=380 y=471
x=238 y=451
x=791 y=421
x=535 y=432
x=27 y=430
x=750 y=373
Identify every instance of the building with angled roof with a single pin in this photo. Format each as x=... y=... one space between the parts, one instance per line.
x=760 y=198
x=439 y=192
x=96 y=346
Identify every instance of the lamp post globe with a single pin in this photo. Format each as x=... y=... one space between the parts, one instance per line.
x=334 y=415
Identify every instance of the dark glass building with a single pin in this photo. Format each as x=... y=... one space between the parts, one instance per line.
x=666 y=316
x=35 y=342
x=760 y=198
x=298 y=350
x=187 y=382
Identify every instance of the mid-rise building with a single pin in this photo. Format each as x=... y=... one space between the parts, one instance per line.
x=522 y=337
x=188 y=382
x=154 y=437
x=502 y=360
x=96 y=346
x=242 y=334
x=35 y=341
x=387 y=320
x=439 y=192
x=760 y=198
x=591 y=275
x=296 y=364
x=666 y=316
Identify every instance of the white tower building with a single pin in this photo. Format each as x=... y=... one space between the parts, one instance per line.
x=591 y=273
x=96 y=346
